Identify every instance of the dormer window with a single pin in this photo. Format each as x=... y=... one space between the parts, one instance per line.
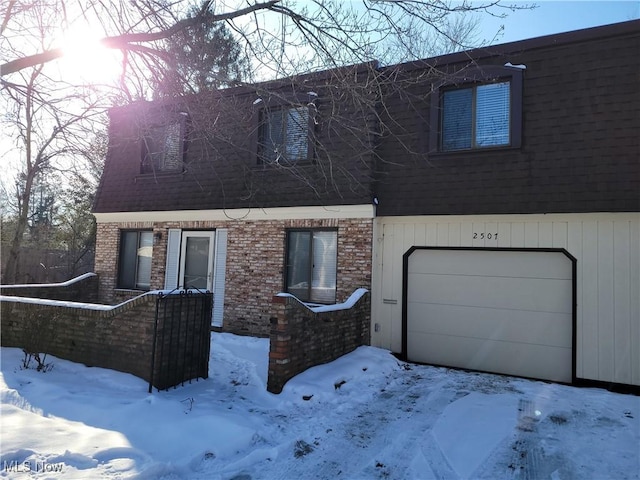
x=283 y=135
x=163 y=148
x=476 y=117
x=483 y=111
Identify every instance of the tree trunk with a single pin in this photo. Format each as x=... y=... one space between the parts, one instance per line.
x=11 y=273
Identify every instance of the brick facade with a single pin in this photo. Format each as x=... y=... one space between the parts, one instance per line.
x=255 y=263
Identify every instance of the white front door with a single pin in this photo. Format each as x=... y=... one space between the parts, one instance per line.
x=196 y=260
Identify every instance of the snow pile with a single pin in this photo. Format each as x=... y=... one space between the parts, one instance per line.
x=365 y=415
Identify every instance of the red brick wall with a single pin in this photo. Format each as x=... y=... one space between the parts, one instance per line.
x=255 y=263
x=301 y=339
x=119 y=339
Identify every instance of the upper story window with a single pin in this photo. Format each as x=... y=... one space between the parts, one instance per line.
x=476 y=117
x=312 y=265
x=163 y=147
x=483 y=113
x=283 y=135
x=134 y=266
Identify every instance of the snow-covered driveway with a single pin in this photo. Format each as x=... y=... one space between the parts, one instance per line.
x=363 y=416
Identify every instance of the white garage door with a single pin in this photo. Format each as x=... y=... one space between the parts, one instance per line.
x=501 y=311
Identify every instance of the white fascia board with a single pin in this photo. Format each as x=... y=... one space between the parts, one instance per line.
x=242 y=214
x=512 y=217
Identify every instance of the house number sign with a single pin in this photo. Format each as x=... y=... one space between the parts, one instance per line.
x=483 y=235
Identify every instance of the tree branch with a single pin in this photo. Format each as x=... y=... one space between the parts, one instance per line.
x=128 y=41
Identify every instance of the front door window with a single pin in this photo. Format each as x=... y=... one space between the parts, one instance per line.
x=196 y=265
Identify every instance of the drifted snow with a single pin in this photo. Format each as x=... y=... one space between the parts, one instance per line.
x=319 y=308
x=366 y=415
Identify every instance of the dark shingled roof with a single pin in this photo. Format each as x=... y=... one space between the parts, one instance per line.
x=579 y=153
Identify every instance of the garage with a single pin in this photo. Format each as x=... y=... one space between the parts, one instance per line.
x=500 y=310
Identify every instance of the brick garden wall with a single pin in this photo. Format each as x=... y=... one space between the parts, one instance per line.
x=255 y=263
x=50 y=319
x=301 y=339
x=119 y=338
x=81 y=289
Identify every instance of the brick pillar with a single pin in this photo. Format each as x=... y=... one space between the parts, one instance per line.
x=301 y=339
x=280 y=347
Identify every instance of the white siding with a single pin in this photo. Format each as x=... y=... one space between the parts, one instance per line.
x=607 y=249
x=634 y=301
x=622 y=300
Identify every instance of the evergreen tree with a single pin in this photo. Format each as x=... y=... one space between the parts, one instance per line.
x=203 y=57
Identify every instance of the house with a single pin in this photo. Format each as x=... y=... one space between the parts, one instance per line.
x=489 y=200
x=246 y=192
x=508 y=240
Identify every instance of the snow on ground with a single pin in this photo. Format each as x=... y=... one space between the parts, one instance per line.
x=363 y=416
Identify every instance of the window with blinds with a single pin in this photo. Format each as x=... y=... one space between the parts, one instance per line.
x=311 y=268
x=163 y=148
x=134 y=266
x=283 y=135
x=476 y=117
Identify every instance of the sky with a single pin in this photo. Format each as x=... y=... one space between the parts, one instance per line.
x=552 y=16
x=364 y=416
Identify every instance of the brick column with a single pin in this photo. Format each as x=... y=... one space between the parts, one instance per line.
x=280 y=347
x=301 y=339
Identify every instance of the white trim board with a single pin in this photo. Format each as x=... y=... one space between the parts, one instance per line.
x=512 y=217
x=241 y=214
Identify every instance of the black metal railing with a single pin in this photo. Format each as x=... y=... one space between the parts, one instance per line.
x=181 y=338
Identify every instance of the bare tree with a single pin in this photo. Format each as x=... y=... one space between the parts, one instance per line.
x=75 y=225
x=47 y=122
x=46 y=135
x=281 y=35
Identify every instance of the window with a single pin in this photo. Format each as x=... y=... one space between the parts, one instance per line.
x=163 y=148
x=283 y=135
x=134 y=269
x=483 y=114
x=476 y=117
x=312 y=265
